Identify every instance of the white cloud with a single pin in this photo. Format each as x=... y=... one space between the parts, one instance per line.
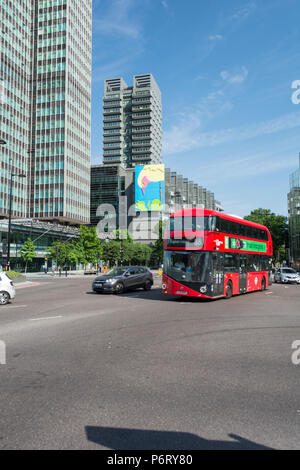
x=109 y=70
x=236 y=76
x=215 y=37
x=243 y=12
x=189 y=135
x=118 y=20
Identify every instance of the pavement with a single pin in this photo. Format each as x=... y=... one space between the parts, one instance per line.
x=75 y=274
x=147 y=371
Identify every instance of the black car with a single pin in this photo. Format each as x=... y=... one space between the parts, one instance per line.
x=119 y=279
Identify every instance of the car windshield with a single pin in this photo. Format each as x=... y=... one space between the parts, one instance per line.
x=116 y=272
x=289 y=271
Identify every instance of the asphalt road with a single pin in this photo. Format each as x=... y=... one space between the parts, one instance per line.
x=143 y=371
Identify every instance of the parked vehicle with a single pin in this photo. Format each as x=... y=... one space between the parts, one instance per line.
x=122 y=278
x=287 y=275
x=7 y=289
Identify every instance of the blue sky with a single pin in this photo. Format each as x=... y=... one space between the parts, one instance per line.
x=225 y=69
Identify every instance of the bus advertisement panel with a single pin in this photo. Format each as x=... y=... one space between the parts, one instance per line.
x=149 y=188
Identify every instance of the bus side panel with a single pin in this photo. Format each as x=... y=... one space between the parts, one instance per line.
x=234 y=278
x=254 y=280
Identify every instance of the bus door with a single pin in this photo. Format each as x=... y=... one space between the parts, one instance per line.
x=218 y=274
x=243 y=274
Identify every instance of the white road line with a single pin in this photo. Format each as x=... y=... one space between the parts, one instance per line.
x=45 y=318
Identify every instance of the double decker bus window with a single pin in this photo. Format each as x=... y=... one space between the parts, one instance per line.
x=253 y=263
x=264 y=235
x=189 y=223
x=242 y=230
x=231 y=263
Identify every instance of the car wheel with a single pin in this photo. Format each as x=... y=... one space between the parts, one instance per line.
x=228 y=290
x=119 y=289
x=4 y=298
x=147 y=285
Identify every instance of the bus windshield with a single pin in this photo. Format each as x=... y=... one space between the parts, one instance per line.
x=187 y=266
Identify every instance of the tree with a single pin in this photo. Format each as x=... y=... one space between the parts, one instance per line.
x=88 y=245
x=158 y=249
x=141 y=253
x=277 y=225
x=111 y=252
x=58 y=252
x=28 y=252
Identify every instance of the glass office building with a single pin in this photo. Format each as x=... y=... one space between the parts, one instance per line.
x=16 y=49
x=294 y=217
x=51 y=139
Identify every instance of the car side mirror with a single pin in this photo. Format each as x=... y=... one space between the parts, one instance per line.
x=127 y=274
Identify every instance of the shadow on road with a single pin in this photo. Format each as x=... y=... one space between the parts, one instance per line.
x=140 y=439
x=155 y=294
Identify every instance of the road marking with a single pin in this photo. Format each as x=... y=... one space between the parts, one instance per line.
x=13 y=306
x=32 y=284
x=268 y=293
x=45 y=318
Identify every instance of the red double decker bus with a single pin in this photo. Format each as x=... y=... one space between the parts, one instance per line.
x=212 y=255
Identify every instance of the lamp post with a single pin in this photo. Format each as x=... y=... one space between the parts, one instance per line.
x=20 y=175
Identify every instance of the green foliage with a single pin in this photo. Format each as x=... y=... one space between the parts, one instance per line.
x=14 y=275
x=28 y=252
x=86 y=249
x=89 y=245
x=141 y=254
x=158 y=249
x=57 y=252
x=277 y=224
x=111 y=252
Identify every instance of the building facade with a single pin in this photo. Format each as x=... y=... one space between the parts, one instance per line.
x=182 y=193
x=110 y=182
x=46 y=78
x=43 y=235
x=16 y=47
x=294 y=217
x=132 y=122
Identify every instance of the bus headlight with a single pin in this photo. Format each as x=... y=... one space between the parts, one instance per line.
x=203 y=289
x=164 y=286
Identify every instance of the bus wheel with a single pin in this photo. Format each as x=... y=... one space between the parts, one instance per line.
x=228 y=290
x=263 y=284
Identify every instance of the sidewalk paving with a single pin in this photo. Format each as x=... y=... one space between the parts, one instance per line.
x=72 y=274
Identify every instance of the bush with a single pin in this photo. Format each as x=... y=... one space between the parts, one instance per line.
x=13 y=274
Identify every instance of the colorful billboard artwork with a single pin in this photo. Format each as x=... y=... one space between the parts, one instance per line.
x=149 y=188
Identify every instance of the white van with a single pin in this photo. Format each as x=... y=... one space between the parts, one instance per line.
x=7 y=289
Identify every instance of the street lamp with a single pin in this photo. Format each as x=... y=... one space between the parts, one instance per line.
x=20 y=175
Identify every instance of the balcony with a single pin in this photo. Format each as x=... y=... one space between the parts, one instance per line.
x=112 y=111
x=139 y=150
x=112 y=118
